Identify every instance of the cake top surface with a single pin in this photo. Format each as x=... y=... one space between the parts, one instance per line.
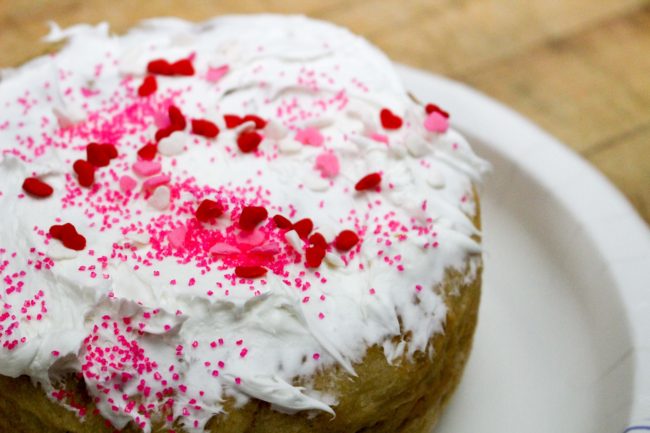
x=202 y=211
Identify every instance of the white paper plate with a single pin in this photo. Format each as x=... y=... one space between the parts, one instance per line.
x=563 y=341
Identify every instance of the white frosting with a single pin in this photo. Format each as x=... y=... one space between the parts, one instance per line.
x=145 y=311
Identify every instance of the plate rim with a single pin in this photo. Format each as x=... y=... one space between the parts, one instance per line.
x=591 y=199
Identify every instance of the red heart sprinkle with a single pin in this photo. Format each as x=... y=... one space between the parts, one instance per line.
x=367 y=182
x=160 y=67
x=390 y=120
x=248 y=141
x=182 y=67
x=303 y=227
x=100 y=155
x=314 y=256
x=346 y=240
x=164 y=133
x=204 y=128
x=176 y=118
x=37 y=188
x=318 y=240
x=148 y=151
x=67 y=234
x=85 y=172
x=232 y=120
x=259 y=122
x=148 y=87
x=431 y=108
x=208 y=210
x=251 y=216
x=250 y=271
x=282 y=222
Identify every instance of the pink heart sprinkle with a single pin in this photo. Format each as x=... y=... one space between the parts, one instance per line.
x=250 y=239
x=328 y=164
x=177 y=236
x=222 y=248
x=310 y=137
x=379 y=137
x=154 y=182
x=146 y=168
x=268 y=248
x=127 y=183
x=436 y=122
x=215 y=74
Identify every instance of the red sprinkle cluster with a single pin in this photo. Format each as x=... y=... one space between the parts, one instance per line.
x=251 y=216
x=37 y=188
x=389 y=120
x=433 y=108
x=209 y=210
x=67 y=234
x=163 y=67
x=370 y=181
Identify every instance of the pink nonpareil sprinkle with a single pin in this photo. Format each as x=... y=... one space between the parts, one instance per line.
x=436 y=122
x=146 y=168
x=328 y=164
x=310 y=137
x=127 y=183
x=215 y=74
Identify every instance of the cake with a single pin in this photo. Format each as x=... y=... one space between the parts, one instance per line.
x=241 y=225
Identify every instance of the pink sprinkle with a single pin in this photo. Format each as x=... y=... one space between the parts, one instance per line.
x=177 y=236
x=154 y=182
x=310 y=137
x=436 y=122
x=243 y=352
x=195 y=344
x=328 y=164
x=321 y=316
x=238 y=380
x=316 y=356
x=215 y=74
x=222 y=248
x=55 y=353
x=146 y=168
x=215 y=373
x=127 y=183
x=379 y=137
x=372 y=291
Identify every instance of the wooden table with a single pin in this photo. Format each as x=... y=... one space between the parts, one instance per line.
x=579 y=68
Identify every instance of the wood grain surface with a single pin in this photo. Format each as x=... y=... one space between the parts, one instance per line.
x=579 y=68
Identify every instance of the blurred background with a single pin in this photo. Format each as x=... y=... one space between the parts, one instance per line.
x=578 y=68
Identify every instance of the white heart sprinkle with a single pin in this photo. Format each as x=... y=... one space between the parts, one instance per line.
x=316 y=183
x=416 y=145
x=294 y=240
x=274 y=130
x=334 y=261
x=435 y=179
x=160 y=198
x=289 y=146
x=173 y=145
